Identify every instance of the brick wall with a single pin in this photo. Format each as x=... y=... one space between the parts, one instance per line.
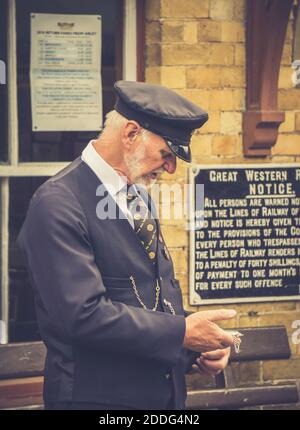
x=197 y=47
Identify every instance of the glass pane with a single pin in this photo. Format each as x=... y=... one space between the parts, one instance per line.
x=65 y=146
x=22 y=319
x=3 y=80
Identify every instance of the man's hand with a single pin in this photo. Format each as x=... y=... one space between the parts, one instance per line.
x=202 y=334
x=213 y=362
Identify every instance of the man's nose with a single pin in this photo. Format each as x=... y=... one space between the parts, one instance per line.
x=170 y=164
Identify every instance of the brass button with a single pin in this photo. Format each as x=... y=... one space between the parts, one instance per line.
x=137 y=217
x=150 y=227
x=152 y=255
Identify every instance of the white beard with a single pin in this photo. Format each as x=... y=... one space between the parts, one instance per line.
x=133 y=163
x=133 y=166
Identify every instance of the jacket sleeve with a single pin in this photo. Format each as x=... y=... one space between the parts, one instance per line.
x=59 y=257
x=191 y=356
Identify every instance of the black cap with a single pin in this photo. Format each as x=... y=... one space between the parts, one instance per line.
x=161 y=111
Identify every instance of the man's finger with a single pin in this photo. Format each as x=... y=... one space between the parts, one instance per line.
x=209 y=367
x=227 y=340
x=215 y=355
x=218 y=314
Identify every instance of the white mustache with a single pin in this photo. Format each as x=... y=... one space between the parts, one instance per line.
x=158 y=171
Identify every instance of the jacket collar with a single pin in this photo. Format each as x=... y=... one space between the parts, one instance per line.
x=122 y=220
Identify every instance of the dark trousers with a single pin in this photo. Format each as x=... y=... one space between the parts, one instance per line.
x=73 y=406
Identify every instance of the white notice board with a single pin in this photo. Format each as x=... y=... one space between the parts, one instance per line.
x=65 y=72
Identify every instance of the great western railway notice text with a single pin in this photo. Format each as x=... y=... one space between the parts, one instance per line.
x=245 y=240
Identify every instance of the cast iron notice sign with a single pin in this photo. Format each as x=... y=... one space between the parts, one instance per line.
x=245 y=241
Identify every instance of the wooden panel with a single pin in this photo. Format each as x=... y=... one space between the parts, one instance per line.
x=27 y=359
x=263 y=343
x=22 y=359
x=266 y=26
x=242 y=397
x=21 y=392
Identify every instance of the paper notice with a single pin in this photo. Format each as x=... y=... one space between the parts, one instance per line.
x=65 y=72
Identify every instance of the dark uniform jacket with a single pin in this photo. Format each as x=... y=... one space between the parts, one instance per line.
x=102 y=346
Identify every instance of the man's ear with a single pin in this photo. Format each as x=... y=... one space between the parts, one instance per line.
x=131 y=132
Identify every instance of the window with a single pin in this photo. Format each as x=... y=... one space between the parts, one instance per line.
x=28 y=158
x=22 y=320
x=64 y=146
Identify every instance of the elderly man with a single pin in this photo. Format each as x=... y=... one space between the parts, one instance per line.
x=108 y=306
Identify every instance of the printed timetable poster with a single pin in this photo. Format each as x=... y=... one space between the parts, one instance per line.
x=245 y=240
x=65 y=72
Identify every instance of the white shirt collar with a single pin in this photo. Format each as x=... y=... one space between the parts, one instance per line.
x=110 y=178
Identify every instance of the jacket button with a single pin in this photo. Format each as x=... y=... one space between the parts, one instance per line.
x=168 y=375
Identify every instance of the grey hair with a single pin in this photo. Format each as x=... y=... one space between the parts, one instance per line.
x=114 y=121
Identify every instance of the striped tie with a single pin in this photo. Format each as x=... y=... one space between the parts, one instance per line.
x=144 y=224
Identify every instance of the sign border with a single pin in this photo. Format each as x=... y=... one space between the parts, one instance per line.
x=194 y=299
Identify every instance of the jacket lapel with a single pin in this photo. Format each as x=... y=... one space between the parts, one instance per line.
x=121 y=220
